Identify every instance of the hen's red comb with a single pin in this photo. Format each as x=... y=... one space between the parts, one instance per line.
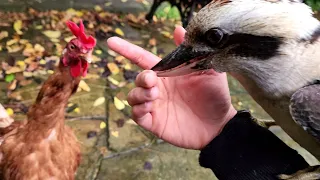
x=78 y=31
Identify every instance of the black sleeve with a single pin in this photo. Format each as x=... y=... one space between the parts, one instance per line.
x=245 y=150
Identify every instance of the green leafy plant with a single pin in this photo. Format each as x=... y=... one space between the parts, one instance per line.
x=166 y=11
x=314 y=4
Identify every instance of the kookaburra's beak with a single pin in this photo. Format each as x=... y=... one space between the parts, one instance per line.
x=183 y=60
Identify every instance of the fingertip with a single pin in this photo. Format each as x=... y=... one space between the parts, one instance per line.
x=150 y=79
x=147 y=79
x=178 y=34
x=142 y=109
x=145 y=121
x=112 y=40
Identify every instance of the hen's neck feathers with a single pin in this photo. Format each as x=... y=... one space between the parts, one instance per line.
x=54 y=94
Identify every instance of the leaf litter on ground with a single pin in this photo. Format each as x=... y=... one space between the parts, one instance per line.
x=33 y=41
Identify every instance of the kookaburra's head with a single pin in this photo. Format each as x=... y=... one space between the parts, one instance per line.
x=264 y=39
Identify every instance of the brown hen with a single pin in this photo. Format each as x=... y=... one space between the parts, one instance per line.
x=43 y=147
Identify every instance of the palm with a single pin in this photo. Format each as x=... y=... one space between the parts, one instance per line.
x=189 y=105
x=187 y=111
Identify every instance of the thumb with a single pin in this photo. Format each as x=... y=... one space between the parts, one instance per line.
x=178 y=35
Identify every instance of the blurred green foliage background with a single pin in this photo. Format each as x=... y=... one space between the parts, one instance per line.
x=166 y=11
x=315 y=4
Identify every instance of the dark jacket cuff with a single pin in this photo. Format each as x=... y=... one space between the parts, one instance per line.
x=245 y=150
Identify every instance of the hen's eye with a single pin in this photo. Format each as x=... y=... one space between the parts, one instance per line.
x=214 y=36
x=72 y=46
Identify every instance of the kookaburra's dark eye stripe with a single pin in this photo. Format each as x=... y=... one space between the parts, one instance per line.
x=315 y=35
x=246 y=45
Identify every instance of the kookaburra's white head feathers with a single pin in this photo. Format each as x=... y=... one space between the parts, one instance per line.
x=271 y=42
x=278 y=18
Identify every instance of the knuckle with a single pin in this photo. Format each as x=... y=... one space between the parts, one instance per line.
x=136 y=110
x=143 y=78
x=138 y=59
x=153 y=93
x=150 y=94
x=131 y=96
x=139 y=79
x=141 y=109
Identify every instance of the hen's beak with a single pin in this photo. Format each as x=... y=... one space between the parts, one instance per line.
x=183 y=60
x=87 y=56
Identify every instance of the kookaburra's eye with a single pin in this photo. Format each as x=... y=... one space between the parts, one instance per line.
x=214 y=36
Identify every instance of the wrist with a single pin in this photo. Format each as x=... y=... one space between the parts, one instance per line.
x=232 y=112
x=214 y=129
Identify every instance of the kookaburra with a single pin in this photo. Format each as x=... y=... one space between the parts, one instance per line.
x=272 y=47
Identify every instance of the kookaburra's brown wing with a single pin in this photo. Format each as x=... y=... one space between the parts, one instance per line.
x=305 y=109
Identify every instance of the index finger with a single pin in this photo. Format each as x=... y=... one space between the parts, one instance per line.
x=135 y=54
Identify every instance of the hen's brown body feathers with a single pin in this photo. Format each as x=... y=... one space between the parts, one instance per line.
x=42 y=147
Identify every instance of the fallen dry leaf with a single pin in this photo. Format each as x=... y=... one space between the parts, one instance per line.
x=98 y=8
x=113 y=81
x=103 y=125
x=13 y=85
x=21 y=64
x=67 y=39
x=23 y=41
x=127 y=66
x=17 y=27
x=113 y=68
x=84 y=86
x=12 y=41
x=10 y=111
x=76 y=110
x=118 y=103
x=3 y=34
x=27 y=74
x=14 y=48
x=120 y=58
x=98 y=51
x=119 y=32
x=14 y=69
x=99 y=101
x=112 y=53
x=52 y=34
x=39 y=48
x=115 y=133
x=130 y=121
x=15 y=95
x=125 y=102
x=29 y=60
x=167 y=34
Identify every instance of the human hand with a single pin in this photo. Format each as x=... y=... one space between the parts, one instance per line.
x=186 y=111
